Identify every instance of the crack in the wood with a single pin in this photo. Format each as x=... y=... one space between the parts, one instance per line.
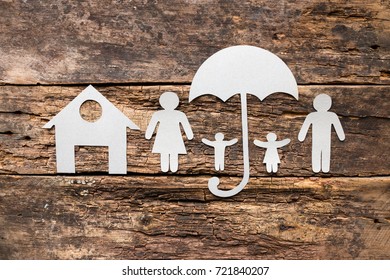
x=102 y=84
x=364 y=117
x=186 y=83
x=8 y=132
x=150 y=175
x=18 y=112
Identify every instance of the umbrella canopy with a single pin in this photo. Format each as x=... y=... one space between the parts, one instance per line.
x=242 y=70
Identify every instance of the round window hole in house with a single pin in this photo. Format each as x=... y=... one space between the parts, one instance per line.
x=91 y=110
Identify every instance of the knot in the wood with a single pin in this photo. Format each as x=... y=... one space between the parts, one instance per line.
x=145 y=220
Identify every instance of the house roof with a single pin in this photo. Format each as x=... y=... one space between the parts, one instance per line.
x=90 y=93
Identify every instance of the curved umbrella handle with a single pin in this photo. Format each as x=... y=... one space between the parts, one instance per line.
x=214 y=181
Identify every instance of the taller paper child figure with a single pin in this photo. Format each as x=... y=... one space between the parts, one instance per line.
x=322 y=122
x=109 y=130
x=219 y=146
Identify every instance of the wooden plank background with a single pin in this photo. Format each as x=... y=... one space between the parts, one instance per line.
x=132 y=51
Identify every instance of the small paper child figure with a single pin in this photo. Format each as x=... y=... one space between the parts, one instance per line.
x=271 y=158
x=219 y=149
x=169 y=141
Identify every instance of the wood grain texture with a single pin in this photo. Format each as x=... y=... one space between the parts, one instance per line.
x=133 y=51
x=71 y=42
x=166 y=217
x=27 y=148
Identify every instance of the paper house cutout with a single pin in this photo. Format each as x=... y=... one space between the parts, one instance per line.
x=109 y=130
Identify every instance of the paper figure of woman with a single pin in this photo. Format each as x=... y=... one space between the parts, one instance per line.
x=169 y=141
x=271 y=158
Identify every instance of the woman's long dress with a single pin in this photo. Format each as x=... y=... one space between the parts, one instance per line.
x=169 y=139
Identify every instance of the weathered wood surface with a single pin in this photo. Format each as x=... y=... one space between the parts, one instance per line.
x=114 y=217
x=71 y=42
x=137 y=50
x=27 y=148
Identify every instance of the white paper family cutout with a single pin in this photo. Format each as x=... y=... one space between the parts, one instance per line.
x=109 y=130
x=271 y=158
x=219 y=146
x=169 y=141
x=321 y=122
x=242 y=70
x=235 y=70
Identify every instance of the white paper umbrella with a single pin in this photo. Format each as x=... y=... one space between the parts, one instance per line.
x=242 y=70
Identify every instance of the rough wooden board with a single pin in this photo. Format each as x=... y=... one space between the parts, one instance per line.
x=70 y=42
x=26 y=148
x=168 y=217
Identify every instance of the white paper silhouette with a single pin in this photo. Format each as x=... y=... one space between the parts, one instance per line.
x=242 y=70
x=169 y=140
x=271 y=158
x=109 y=130
x=322 y=122
x=219 y=146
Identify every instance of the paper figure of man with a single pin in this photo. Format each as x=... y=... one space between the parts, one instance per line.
x=271 y=158
x=169 y=140
x=219 y=146
x=321 y=121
